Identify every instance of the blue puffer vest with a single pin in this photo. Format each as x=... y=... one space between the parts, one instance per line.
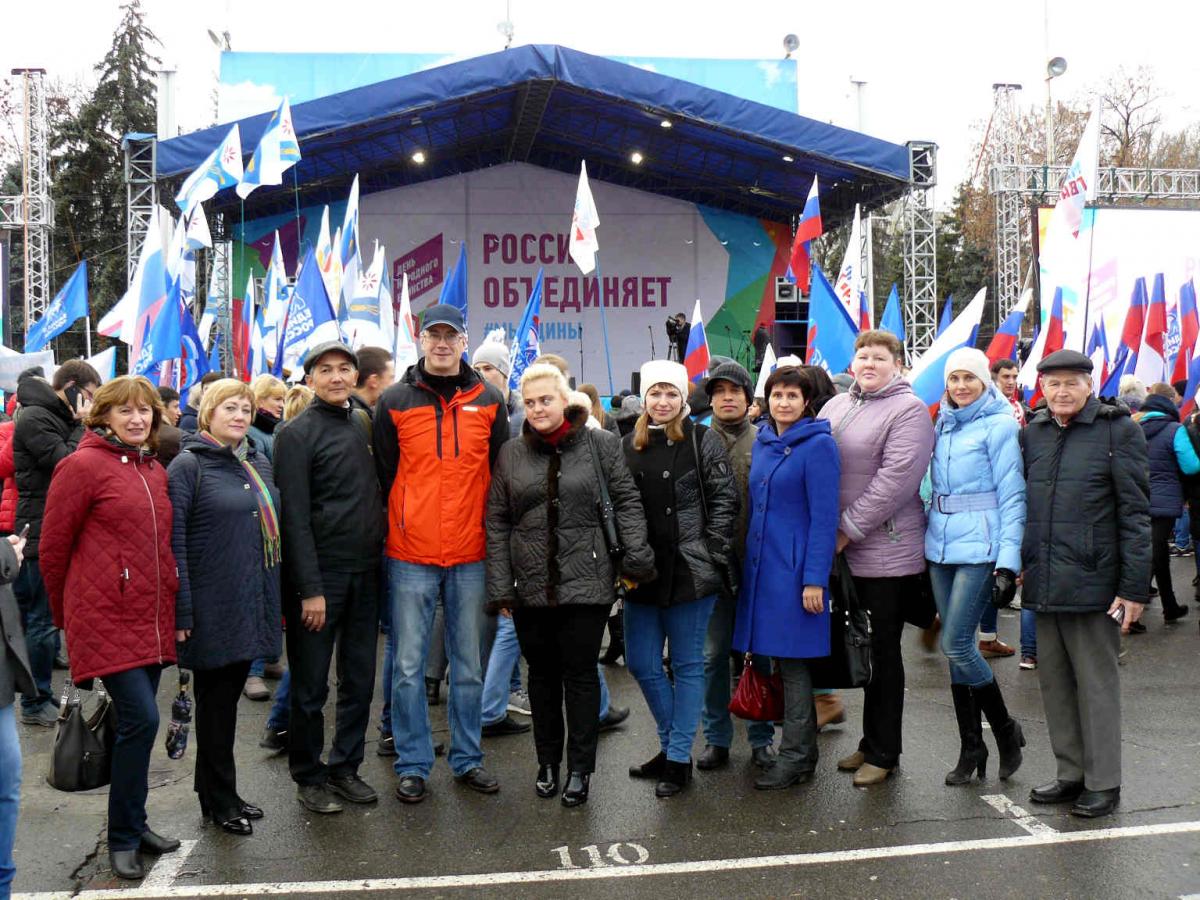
x=1160 y=421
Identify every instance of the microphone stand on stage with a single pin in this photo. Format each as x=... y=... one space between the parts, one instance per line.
x=653 y=355
x=581 y=352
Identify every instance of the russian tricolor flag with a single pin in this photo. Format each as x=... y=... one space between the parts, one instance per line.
x=695 y=360
x=1189 y=329
x=1004 y=342
x=1193 y=381
x=1125 y=360
x=1151 y=361
x=928 y=375
x=807 y=230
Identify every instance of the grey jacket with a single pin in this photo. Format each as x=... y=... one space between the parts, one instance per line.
x=15 y=674
x=739 y=443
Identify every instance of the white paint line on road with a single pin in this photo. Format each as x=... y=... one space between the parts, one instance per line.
x=164 y=872
x=1020 y=817
x=491 y=879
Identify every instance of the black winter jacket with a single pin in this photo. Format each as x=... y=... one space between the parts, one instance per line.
x=45 y=434
x=692 y=546
x=15 y=674
x=228 y=599
x=1166 y=488
x=332 y=509
x=545 y=543
x=1087 y=527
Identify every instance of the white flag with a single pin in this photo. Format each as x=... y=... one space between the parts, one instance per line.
x=221 y=169
x=849 y=281
x=768 y=366
x=404 y=352
x=584 y=222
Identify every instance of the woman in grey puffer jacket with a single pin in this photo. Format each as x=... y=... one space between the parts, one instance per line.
x=884 y=435
x=547 y=561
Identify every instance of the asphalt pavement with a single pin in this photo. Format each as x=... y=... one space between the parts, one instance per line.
x=909 y=837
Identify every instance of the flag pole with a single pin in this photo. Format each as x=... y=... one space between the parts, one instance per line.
x=603 y=323
x=87 y=334
x=296 y=194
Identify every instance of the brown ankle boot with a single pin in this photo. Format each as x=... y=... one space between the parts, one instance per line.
x=830 y=710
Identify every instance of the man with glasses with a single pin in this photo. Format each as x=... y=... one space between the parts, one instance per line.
x=437 y=434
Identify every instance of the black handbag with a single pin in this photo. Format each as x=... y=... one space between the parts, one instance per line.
x=608 y=519
x=919 y=607
x=82 y=756
x=849 y=662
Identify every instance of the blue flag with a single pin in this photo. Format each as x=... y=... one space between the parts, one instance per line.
x=892 y=320
x=454 y=291
x=214 y=354
x=195 y=364
x=947 y=316
x=831 y=331
x=164 y=337
x=310 y=318
x=526 y=346
x=68 y=306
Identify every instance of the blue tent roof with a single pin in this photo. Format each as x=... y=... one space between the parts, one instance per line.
x=552 y=106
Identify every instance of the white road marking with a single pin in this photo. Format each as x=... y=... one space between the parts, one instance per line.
x=1020 y=817
x=164 y=872
x=490 y=879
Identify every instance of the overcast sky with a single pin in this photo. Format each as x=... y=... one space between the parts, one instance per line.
x=926 y=79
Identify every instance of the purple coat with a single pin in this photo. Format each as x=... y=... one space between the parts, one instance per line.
x=885 y=440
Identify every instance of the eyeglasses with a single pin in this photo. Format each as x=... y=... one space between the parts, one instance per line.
x=445 y=337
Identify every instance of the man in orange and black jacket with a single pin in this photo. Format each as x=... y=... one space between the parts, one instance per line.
x=437 y=434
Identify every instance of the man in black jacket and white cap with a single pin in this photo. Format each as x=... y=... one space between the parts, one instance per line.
x=333 y=527
x=1086 y=559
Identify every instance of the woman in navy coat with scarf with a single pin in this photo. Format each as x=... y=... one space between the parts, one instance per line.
x=225 y=538
x=783 y=606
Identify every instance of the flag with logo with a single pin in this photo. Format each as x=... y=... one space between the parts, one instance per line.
x=583 y=245
x=277 y=151
x=831 y=330
x=68 y=306
x=310 y=318
x=526 y=345
x=221 y=169
x=849 y=282
x=163 y=337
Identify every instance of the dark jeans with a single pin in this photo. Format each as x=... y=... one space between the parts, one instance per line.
x=798 y=746
x=41 y=637
x=217 y=694
x=352 y=628
x=133 y=692
x=883 y=706
x=561 y=644
x=1161 y=532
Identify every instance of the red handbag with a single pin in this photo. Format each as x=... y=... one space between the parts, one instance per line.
x=758 y=698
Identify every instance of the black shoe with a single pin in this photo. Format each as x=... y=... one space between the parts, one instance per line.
x=156 y=844
x=238 y=825
x=615 y=716
x=411 y=789
x=126 y=864
x=1176 y=614
x=433 y=689
x=972 y=752
x=546 y=783
x=712 y=757
x=478 y=779
x=780 y=777
x=386 y=746
x=576 y=791
x=316 y=798
x=763 y=757
x=652 y=769
x=507 y=725
x=250 y=811
x=1093 y=804
x=439 y=749
x=1056 y=792
x=1137 y=628
x=613 y=654
x=275 y=741
x=352 y=788
x=674 y=779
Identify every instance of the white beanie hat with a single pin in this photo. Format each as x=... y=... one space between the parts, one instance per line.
x=968 y=359
x=493 y=352
x=662 y=371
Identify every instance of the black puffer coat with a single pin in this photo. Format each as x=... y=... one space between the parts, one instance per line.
x=1087 y=527
x=692 y=547
x=45 y=434
x=545 y=544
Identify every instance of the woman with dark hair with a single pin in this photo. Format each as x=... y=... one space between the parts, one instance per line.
x=110 y=572
x=691 y=500
x=783 y=607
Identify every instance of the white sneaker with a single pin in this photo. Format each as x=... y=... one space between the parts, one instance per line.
x=518 y=702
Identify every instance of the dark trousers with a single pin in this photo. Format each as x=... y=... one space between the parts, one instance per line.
x=798 y=747
x=352 y=628
x=41 y=637
x=133 y=692
x=883 y=706
x=217 y=694
x=561 y=644
x=1161 y=532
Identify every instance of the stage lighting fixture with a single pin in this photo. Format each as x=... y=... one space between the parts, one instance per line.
x=419 y=157
x=1056 y=67
x=636 y=158
x=787 y=158
x=665 y=123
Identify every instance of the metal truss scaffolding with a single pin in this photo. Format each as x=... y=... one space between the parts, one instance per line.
x=920 y=250
x=1008 y=202
x=141 y=194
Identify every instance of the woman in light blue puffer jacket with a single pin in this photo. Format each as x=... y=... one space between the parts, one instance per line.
x=973 y=545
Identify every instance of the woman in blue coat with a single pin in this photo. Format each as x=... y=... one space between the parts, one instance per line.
x=783 y=607
x=973 y=545
x=225 y=538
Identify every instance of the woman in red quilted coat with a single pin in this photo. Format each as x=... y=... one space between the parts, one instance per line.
x=110 y=573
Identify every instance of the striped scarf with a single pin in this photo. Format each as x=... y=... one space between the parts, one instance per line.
x=267 y=517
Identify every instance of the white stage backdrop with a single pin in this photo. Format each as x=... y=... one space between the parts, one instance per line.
x=657 y=256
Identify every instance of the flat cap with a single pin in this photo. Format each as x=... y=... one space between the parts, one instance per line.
x=314 y=354
x=1070 y=360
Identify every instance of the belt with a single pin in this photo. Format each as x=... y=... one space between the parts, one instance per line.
x=953 y=503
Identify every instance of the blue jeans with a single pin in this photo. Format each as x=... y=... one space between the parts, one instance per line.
x=278 y=719
x=603 y=691
x=414 y=595
x=718 y=725
x=134 y=692
x=389 y=659
x=41 y=637
x=10 y=795
x=1183 y=530
x=961 y=593
x=1028 y=633
x=676 y=708
x=503 y=671
x=988 y=621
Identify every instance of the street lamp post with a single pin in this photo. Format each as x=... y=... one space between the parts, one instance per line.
x=1054 y=68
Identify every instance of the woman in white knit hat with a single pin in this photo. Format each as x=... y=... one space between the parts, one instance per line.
x=973 y=545
x=691 y=500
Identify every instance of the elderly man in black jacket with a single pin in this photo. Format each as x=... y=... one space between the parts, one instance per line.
x=1086 y=558
x=333 y=529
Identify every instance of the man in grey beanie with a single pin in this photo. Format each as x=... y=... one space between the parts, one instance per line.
x=490 y=360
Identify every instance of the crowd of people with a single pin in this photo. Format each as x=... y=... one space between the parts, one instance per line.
x=454 y=513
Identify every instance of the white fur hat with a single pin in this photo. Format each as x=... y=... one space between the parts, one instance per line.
x=968 y=359
x=662 y=371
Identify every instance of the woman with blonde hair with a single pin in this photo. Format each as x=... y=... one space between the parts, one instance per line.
x=270 y=395
x=297 y=400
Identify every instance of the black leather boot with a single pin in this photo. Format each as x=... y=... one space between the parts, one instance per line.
x=616 y=640
x=575 y=792
x=1006 y=730
x=126 y=863
x=674 y=778
x=973 y=752
x=651 y=769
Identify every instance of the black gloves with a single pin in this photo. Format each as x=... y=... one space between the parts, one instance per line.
x=1005 y=588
